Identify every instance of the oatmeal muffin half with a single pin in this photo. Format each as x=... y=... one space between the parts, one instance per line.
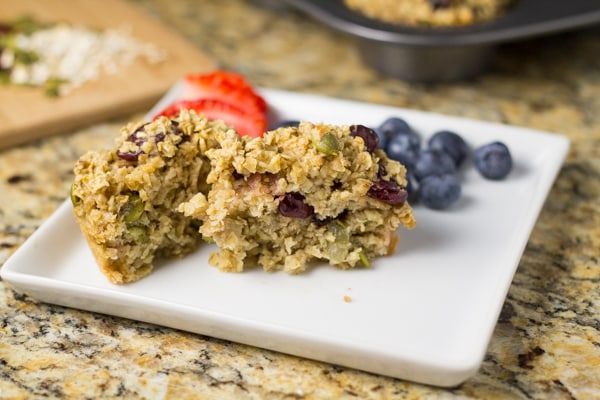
x=431 y=13
x=125 y=200
x=312 y=192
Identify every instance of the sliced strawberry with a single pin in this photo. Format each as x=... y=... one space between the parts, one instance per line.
x=225 y=86
x=252 y=124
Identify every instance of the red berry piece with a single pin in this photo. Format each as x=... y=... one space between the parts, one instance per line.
x=293 y=205
x=245 y=123
x=225 y=86
x=129 y=155
x=388 y=192
x=368 y=135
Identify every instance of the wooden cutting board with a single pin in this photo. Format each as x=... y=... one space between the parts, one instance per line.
x=26 y=113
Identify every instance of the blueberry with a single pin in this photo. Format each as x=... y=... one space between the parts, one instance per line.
x=286 y=123
x=404 y=147
x=383 y=139
x=439 y=191
x=493 y=160
x=433 y=162
x=409 y=183
x=411 y=189
x=394 y=125
x=452 y=143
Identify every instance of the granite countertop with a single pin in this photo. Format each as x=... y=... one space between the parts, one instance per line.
x=546 y=343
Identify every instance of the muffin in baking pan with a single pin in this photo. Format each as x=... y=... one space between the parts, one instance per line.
x=431 y=13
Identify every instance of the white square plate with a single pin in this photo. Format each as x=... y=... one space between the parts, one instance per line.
x=424 y=314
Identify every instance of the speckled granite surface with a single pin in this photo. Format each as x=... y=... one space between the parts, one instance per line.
x=546 y=344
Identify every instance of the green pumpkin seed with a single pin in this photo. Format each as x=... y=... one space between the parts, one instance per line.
x=74 y=198
x=328 y=144
x=138 y=233
x=133 y=210
x=364 y=260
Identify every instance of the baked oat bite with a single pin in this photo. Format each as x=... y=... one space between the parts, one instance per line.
x=431 y=13
x=125 y=199
x=298 y=194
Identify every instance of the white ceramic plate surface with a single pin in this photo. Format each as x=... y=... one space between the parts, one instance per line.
x=424 y=314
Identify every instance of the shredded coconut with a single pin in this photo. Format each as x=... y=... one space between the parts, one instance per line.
x=74 y=55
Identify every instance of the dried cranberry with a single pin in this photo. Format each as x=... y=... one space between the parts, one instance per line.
x=176 y=130
x=129 y=155
x=134 y=138
x=368 y=135
x=160 y=137
x=388 y=192
x=236 y=175
x=137 y=140
x=324 y=221
x=293 y=205
x=321 y=222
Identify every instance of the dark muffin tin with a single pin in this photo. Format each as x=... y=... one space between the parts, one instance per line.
x=446 y=54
